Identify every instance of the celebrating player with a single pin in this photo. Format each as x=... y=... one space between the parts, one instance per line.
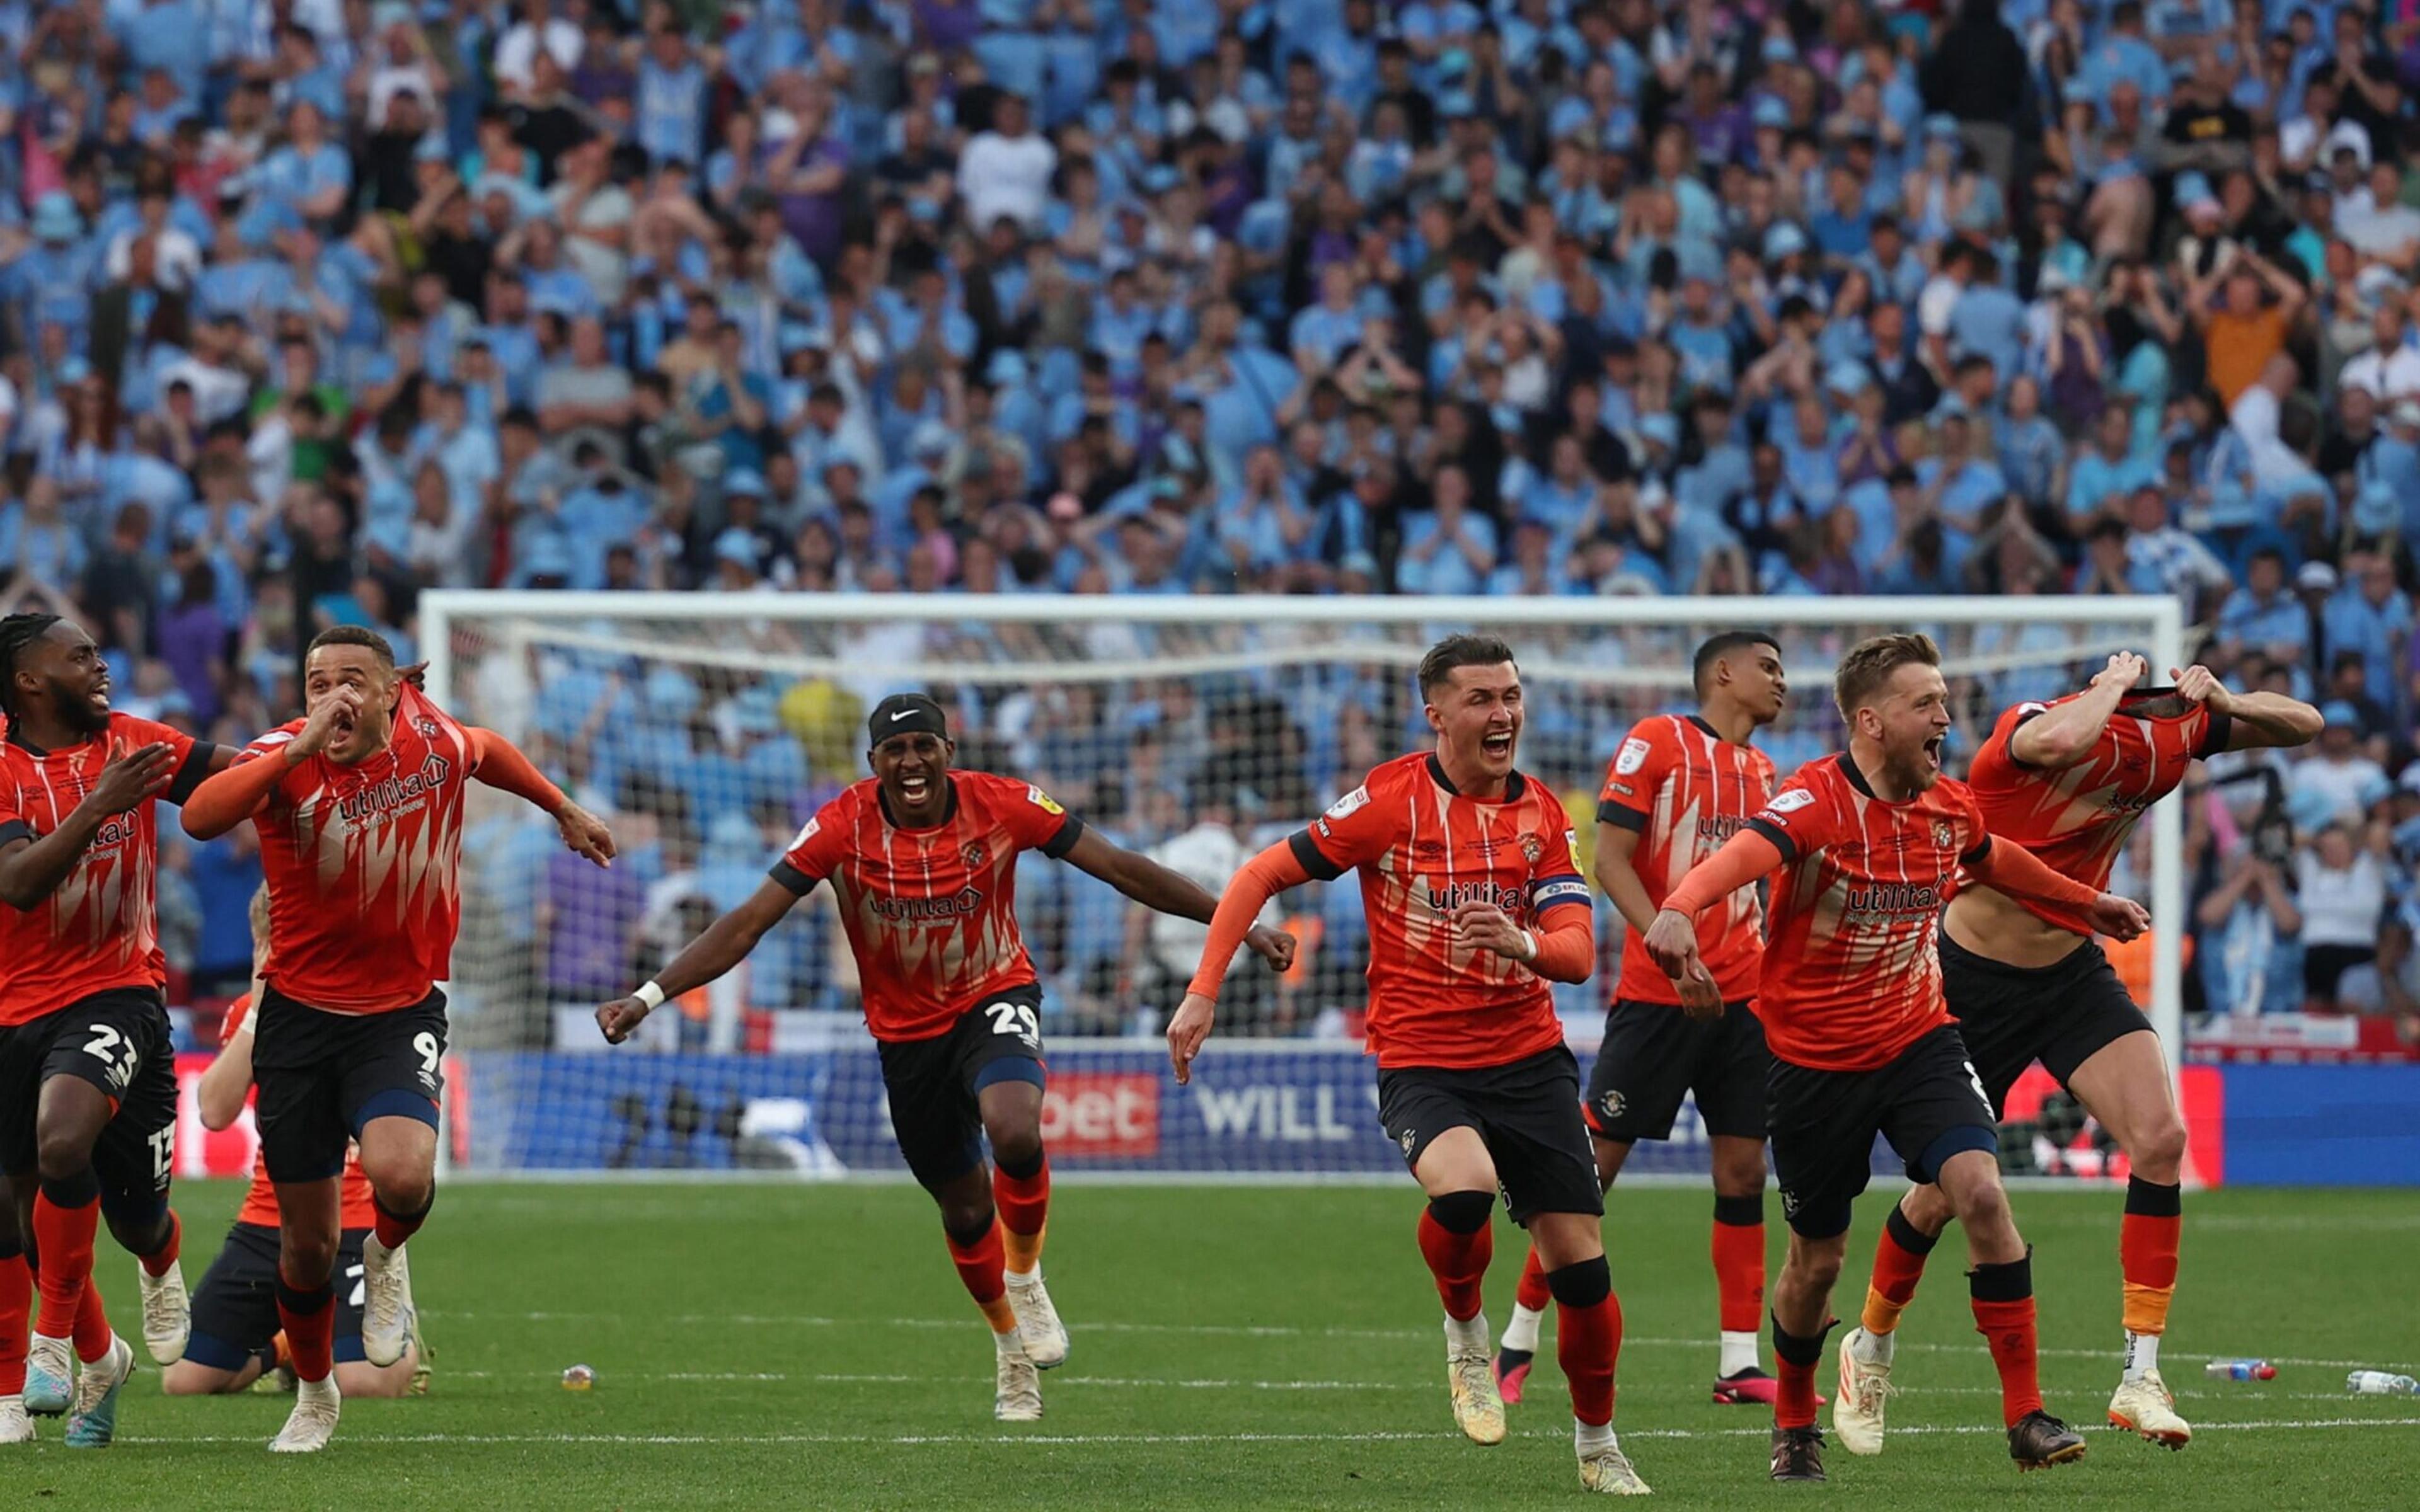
x=234 y=1340
x=2069 y=779
x=1475 y=904
x=923 y=859
x=88 y=1073
x=1864 y=845
x=359 y=807
x=1678 y=787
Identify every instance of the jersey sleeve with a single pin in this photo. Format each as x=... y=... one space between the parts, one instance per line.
x=1801 y=819
x=2212 y=733
x=272 y=744
x=1633 y=776
x=193 y=757
x=1556 y=881
x=1353 y=832
x=1996 y=766
x=820 y=846
x=1035 y=819
x=1977 y=834
x=14 y=827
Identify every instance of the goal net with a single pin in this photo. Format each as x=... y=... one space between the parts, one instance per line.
x=706 y=728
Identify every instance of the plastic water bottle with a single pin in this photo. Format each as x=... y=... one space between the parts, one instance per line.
x=2240 y=1370
x=2381 y=1383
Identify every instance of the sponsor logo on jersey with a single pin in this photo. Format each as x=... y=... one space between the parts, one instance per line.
x=1631 y=756
x=1454 y=895
x=1720 y=827
x=1344 y=807
x=962 y=904
x=807 y=832
x=1790 y=802
x=1891 y=899
x=394 y=793
x=1041 y=800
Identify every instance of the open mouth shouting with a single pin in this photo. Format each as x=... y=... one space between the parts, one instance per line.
x=915 y=787
x=1933 y=752
x=1496 y=745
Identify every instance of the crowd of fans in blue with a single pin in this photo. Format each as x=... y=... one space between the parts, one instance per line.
x=311 y=305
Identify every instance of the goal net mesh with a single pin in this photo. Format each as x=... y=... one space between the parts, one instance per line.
x=707 y=733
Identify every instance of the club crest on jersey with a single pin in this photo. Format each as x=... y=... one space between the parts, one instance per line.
x=1407 y=1140
x=1943 y=836
x=974 y=854
x=1041 y=800
x=1631 y=756
x=430 y=728
x=1531 y=848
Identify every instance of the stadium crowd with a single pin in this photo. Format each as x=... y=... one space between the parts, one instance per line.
x=313 y=304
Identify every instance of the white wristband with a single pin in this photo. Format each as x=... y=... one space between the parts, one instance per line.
x=1528 y=944
x=651 y=995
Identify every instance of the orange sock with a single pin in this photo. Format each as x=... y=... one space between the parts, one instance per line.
x=1796 y=1357
x=1024 y=1204
x=2147 y=1241
x=2003 y=1299
x=157 y=1265
x=309 y=1314
x=67 y=1216
x=1898 y=1265
x=1739 y=1262
x=16 y=1318
x=1457 y=1241
x=1533 y=1292
x=979 y=1268
x=92 y=1333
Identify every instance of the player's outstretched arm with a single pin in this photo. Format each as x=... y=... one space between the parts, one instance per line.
x=1671 y=940
x=1248 y=892
x=32 y=867
x=234 y=793
x=1163 y=891
x=2254 y=719
x=2065 y=734
x=2020 y=874
x=1617 y=874
x=502 y=766
x=725 y=942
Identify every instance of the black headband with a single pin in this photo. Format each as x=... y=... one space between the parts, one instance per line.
x=905 y=714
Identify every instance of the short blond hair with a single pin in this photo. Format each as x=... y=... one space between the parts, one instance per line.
x=1868 y=668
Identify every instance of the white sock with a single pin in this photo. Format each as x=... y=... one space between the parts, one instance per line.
x=1522 y=1333
x=38 y=1340
x=1020 y=1279
x=1738 y=1353
x=2142 y=1354
x=1464 y=1337
x=1587 y=1438
x=1875 y=1349
x=1009 y=1343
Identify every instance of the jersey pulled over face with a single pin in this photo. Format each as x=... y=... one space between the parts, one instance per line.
x=359 y=1209
x=100 y=930
x=931 y=913
x=1424 y=850
x=363 y=864
x=1683 y=790
x=2078 y=819
x=1852 y=970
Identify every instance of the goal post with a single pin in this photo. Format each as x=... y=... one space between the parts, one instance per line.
x=707 y=726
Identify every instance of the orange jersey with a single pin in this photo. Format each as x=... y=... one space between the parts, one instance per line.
x=2077 y=819
x=1683 y=790
x=363 y=864
x=1851 y=973
x=260 y=1198
x=1424 y=850
x=931 y=914
x=99 y=929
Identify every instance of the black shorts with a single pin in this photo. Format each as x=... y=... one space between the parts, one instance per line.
x=2061 y=1014
x=322 y=1077
x=1927 y=1103
x=120 y=1042
x=1529 y=1115
x=235 y=1309
x=1654 y=1053
x=933 y=1082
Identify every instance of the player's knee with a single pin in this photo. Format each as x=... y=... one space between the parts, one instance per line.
x=61 y=1152
x=403 y=1184
x=1462 y=1212
x=1583 y=1284
x=1983 y=1208
x=306 y=1257
x=2159 y=1151
x=1740 y=1174
x=1813 y=1265
x=1927 y=1210
x=966 y=1219
x=1015 y=1142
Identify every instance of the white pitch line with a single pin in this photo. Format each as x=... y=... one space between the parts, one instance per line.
x=1280 y=1331
x=1007 y=1439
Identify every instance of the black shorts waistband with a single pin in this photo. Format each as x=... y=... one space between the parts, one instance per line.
x=1975 y=960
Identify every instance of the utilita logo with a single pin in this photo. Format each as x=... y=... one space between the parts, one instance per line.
x=1102 y=1114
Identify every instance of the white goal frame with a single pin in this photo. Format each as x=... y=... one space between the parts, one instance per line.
x=441 y=610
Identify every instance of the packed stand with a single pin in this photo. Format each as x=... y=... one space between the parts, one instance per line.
x=313 y=304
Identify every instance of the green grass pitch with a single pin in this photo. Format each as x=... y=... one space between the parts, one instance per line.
x=779 y=1346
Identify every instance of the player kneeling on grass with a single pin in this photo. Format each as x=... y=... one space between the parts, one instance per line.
x=1475 y=903
x=923 y=859
x=235 y=1339
x=358 y=809
x=2026 y=980
x=1860 y=849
